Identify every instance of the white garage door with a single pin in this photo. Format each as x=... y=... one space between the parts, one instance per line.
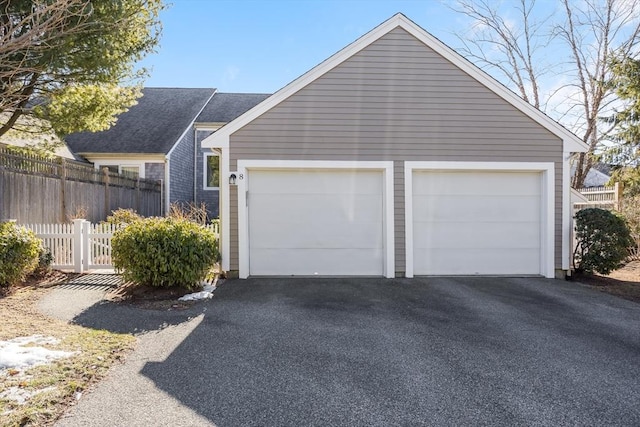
x=315 y=222
x=476 y=222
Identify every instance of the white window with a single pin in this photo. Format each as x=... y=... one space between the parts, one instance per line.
x=211 y=171
x=130 y=171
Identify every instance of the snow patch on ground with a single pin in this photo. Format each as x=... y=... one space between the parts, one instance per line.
x=25 y=352
x=206 y=293
x=20 y=395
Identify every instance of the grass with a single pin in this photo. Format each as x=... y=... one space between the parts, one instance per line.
x=57 y=385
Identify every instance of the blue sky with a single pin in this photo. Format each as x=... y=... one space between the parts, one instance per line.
x=260 y=46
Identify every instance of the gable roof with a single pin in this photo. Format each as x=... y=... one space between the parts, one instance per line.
x=571 y=142
x=224 y=107
x=153 y=125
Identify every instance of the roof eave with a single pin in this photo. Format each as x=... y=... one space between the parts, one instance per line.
x=209 y=125
x=117 y=155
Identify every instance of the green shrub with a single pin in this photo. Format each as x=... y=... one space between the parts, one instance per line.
x=164 y=252
x=123 y=217
x=602 y=239
x=19 y=253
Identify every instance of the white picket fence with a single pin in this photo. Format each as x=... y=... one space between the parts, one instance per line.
x=82 y=246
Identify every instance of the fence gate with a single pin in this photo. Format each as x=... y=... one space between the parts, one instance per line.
x=82 y=245
x=79 y=246
x=97 y=245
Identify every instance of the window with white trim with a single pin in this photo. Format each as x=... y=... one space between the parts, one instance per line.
x=130 y=171
x=211 y=171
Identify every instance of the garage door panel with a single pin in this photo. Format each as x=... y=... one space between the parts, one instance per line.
x=488 y=235
x=333 y=208
x=305 y=181
x=477 y=222
x=479 y=261
x=322 y=262
x=315 y=222
x=354 y=235
x=477 y=208
x=466 y=184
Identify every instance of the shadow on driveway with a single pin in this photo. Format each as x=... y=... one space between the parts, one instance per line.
x=129 y=319
x=438 y=351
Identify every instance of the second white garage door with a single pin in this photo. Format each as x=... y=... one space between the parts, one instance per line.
x=315 y=222
x=477 y=222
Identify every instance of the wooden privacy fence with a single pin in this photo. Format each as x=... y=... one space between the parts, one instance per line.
x=81 y=245
x=601 y=197
x=37 y=189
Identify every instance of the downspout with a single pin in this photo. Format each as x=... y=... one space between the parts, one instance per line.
x=567 y=213
x=195 y=165
x=167 y=176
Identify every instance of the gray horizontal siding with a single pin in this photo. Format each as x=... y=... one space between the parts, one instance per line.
x=396 y=100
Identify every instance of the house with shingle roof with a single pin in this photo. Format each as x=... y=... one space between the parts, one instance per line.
x=159 y=138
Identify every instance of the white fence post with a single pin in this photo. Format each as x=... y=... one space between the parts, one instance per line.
x=78 y=247
x=86 y=247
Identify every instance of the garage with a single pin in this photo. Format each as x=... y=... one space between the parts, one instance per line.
x=479 y=222
x=316 y=222
x=492 y=174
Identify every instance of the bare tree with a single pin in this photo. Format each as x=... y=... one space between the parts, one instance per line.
x=590 y=34
x=513 y=49
x=597 y=33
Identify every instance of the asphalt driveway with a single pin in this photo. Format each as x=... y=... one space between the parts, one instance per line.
x=437 y=351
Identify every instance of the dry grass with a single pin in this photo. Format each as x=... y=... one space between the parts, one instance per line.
x=624 y=282
x=61 y=382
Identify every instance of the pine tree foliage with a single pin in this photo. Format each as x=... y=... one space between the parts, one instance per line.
x=72 y=63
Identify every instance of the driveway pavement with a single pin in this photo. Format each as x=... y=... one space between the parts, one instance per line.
x=437 y=351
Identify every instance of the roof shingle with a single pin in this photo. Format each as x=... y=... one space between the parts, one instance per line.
x=225 y=107
x=151 y=126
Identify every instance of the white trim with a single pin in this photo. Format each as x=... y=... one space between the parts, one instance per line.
x=571 y=142
x=224 y=204
x=191 y=124
x=548 y=202
x=567 y=211
x=578 y=197
x=408 y=220
x=139 y=168
x=224 y=200
x=195 y=165
x=244 y=166
x=205 y=156
x=102 y=157
x=201 y=126
x=167 y=180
